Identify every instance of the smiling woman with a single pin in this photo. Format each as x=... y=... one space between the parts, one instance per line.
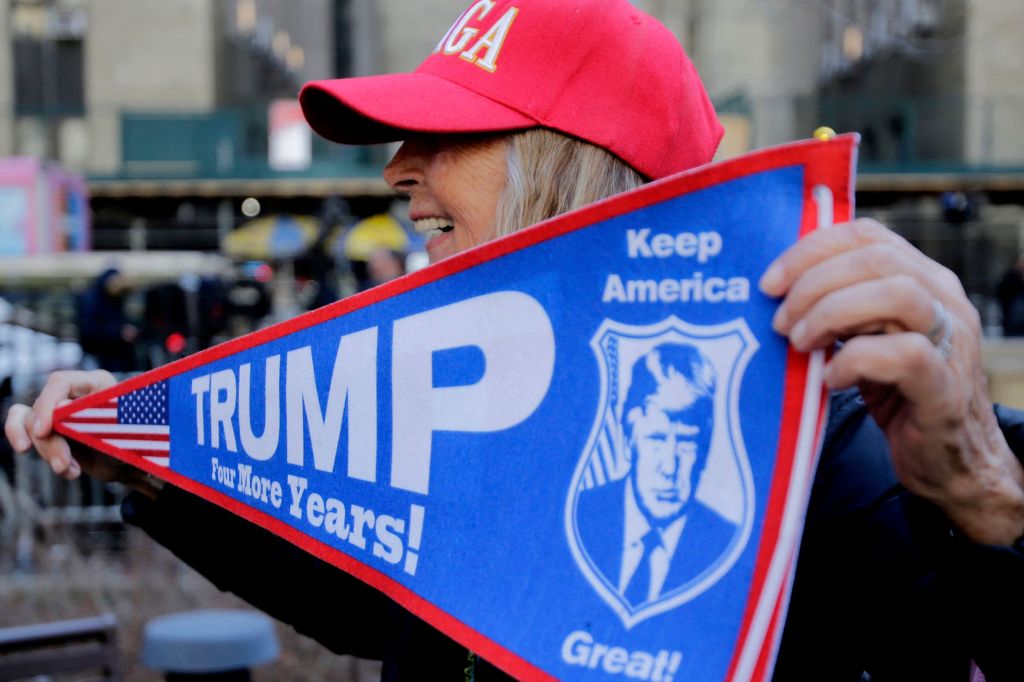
x=453 y=186
x=468 y=189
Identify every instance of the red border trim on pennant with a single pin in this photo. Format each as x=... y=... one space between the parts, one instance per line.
x=829 y=163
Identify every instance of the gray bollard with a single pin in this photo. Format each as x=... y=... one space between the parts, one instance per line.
x=214 y=644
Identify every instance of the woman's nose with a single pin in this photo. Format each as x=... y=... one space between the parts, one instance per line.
x=405 y=170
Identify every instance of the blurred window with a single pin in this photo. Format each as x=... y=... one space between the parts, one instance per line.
x=48 y=48
x=342 y=39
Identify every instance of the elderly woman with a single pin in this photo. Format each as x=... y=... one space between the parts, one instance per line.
x=530 y=108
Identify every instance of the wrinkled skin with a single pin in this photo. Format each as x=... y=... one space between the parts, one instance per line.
x=862 y=284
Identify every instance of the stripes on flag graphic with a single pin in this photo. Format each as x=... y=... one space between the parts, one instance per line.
x=608 y=461
x=135 y=422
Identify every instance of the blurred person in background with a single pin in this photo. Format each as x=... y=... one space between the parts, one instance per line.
x=104 y=329
x=910 y=566
x=1010 y=294
x=385 y=265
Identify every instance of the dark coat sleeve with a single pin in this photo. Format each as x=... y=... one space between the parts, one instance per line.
x=884 y=586
x=273 y=575
x=297 y=588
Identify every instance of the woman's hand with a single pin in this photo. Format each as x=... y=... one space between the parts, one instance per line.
x=28 y=427
x=864 y=285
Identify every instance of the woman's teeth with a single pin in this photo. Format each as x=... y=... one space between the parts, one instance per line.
x=431 y=227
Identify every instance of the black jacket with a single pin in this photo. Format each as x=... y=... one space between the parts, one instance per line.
x=884 y=588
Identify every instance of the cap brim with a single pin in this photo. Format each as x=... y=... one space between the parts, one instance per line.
x=386 y=108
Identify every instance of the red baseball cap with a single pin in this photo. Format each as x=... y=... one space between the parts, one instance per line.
x=599 y=70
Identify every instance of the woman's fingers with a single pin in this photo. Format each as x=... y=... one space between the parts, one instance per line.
x=905 y=361
x=59 y=387
x=53 y=448
x=912 y=348
x=28 y=427
x=829 y=259
x=860 y=278
x=898 y=303
x=33 y=427
x=876 y=261
x=57 y=453
x=16 y=427
x=820 y=246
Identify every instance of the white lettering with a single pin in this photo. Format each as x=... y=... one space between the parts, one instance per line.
x=703 y=245
x=615 y=660
x=222 y=409
x=663 y=245
x=580 y=649
x=458 y=35
x=576 y=648
x=353 y=388
x=739 y=289
x=710 y=246
x=492 y=41
x=388 y=545
x=515 y=336
x=200 y=387
x=613 y=290
x=714 y=289
x=693 y=289
x=641 y=665
x=222 y=474
x=636 y=243
x=361 y=518
x=262 y=488
x=686 y=244
x=276 y=494
x=315 y=510
x=263 y=447
x=334 y=522
x=642 y=290
x=297 y=485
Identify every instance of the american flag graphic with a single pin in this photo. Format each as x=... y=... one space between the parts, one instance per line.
x=608 y=459
x=136 y=422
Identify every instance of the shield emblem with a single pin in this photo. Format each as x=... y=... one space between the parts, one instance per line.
x=662 y=500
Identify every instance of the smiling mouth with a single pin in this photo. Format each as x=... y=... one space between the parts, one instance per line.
x=432 y=227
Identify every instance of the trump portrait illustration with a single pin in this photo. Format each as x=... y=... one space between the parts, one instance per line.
x=661 y=503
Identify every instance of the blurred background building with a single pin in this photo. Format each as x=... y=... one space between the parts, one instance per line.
x=171 y=109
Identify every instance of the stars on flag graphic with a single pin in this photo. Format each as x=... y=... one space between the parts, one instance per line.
x=136 y=422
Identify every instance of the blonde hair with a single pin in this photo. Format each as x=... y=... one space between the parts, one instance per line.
x=549 y=173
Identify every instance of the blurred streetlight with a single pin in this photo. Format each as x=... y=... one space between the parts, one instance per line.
x=250 y=207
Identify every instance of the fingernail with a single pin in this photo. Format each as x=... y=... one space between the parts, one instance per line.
x=37 y=428
x=75 y=469
x=797 y=334
x=780 y=319
x=771 y=281
x=22 y=444
x=56 y=465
